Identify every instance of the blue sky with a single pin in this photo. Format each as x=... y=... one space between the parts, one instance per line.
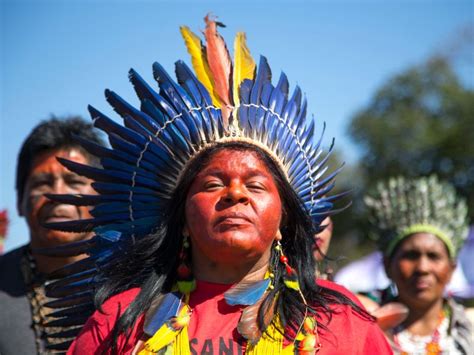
x=58 y=56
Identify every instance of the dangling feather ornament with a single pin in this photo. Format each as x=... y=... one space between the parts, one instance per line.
x=246 y=293
x=248 y=325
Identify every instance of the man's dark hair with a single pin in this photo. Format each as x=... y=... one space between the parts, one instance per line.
x=51 y=134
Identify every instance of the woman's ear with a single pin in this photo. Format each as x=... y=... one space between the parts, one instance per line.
x=278 y=235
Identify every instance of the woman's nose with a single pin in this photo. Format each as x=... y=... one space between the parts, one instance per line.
x=423 y=264
x=236 y=193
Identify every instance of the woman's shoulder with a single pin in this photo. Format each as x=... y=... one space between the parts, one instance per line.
x=361 y=333
x=97 y=330
x=120 y=301
x=340 y=289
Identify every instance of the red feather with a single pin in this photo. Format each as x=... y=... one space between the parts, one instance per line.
x=220 y=64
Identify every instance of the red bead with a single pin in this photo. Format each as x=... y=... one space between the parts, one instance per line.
x=289 y=270
x=283 y=259
x=183 y=271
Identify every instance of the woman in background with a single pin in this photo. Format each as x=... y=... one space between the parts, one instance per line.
x=420 y=225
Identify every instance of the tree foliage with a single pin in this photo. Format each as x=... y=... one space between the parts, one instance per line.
x=420 y=122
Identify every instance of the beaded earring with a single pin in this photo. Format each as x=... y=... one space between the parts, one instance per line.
x=186 y=282
x=290 y=279
x=309 y=342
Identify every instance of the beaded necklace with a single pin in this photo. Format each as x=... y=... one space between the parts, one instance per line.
x=432 y=347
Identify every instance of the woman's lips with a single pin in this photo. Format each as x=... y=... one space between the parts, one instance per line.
x=422 y=284
x=232 y=221
x=233 y=218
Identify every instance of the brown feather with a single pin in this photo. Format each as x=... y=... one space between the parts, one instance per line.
x=248 y=324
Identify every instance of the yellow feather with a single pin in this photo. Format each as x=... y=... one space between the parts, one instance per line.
x=292 y=284
x=244 y=65
x=164 y=336
x=199 y=60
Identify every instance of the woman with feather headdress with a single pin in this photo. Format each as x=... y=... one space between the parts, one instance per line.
x=208 y=202
x=420 y=225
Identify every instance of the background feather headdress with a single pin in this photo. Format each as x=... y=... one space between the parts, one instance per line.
x=401 y=207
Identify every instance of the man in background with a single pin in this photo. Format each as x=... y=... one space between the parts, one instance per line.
x=24 y=327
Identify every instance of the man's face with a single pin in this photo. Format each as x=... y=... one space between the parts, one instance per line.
x=48 y=176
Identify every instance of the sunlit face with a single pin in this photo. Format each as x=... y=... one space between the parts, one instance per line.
x=421 y=269
x=48 y=176
x=233 y=209
x=323 y=239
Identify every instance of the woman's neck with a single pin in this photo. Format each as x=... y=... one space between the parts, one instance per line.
x=229 y=273
x=424 y=320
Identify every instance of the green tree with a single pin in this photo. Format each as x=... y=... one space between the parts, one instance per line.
x=420 y=122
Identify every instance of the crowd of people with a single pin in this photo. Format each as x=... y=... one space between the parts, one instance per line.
x=204 y=224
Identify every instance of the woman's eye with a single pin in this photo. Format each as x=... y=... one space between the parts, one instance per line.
x=212 y=185
x=257 y=186
x=434 y=256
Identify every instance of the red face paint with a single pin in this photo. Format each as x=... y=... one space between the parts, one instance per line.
x=47 y=175
x=233 y=208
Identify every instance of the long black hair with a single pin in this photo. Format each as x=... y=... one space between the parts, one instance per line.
x=152 y=261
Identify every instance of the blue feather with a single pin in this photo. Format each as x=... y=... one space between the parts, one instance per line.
x=104 y=123
x=142 y=89
x=246 y=293
x=283 y=85
x=188 y=80
x=122 y=146
x=168 y=307
x=100 y=151
x=95 y=173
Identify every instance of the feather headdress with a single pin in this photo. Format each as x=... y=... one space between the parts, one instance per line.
x=221 y=101
x=401 y=207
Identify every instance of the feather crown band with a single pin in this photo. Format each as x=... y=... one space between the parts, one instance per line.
x=222 y=101
x=401 y=207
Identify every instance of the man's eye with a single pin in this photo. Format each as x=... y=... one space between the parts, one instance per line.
x=39 y=183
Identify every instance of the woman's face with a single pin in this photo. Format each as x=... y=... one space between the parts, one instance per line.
x=233 y=208
x=421 y=269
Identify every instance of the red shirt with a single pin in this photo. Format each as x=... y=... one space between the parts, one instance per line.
x=212 y=329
